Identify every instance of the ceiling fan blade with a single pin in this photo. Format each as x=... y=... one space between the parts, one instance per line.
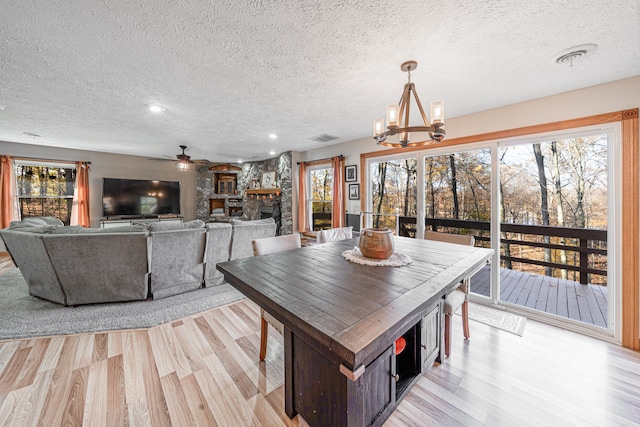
x=161 y=159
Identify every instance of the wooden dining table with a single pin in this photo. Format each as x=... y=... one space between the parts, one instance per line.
x=342 y=321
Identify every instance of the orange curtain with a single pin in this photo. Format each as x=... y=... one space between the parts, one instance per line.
x=8 y=193
x=338 y=210
x=303 y=219
x=80 y=209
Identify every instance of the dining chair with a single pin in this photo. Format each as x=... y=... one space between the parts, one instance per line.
x=266 y=246
x=334 y=234
x=459 y=297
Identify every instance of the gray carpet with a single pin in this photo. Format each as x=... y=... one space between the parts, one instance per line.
x=25 y=316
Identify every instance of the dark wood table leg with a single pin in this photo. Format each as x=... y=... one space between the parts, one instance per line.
x=289 y=407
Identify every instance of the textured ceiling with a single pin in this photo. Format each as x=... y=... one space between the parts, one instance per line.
x=229 y=72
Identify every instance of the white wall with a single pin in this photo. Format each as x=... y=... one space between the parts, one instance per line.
x=104 y=165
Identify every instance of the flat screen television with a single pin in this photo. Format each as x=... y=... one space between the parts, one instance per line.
x=139 y=198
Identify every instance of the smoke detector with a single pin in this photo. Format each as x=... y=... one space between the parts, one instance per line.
x=575 y=54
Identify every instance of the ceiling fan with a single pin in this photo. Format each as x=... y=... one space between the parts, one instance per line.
x=182 y=160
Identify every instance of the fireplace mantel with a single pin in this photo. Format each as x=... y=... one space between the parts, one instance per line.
x=262 y=191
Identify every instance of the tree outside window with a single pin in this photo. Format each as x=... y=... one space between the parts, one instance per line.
x=321 y=194
x=45 y=191
x=393 y=185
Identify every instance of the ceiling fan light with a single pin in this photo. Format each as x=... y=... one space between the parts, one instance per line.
x=182 y=165
x=184 y=161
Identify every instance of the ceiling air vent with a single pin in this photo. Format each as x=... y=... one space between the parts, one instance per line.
x=575 y=54
x=323 y=137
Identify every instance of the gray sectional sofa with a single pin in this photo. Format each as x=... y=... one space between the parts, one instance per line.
x=76 y=265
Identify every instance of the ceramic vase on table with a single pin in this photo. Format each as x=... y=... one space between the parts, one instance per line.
x=376 y=243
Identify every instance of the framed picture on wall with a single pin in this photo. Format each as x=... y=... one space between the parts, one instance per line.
x=268 y=180
x=354 y=191
x=351 y=173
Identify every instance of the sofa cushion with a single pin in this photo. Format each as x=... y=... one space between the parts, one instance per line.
x=175 y=225
x=177 y=261
x=217 y=249
x=100 y=267
x=244 y=232
x=77 y=229
x=40 y=229
x=242 y=222
x=41 y=221
x=50 y=220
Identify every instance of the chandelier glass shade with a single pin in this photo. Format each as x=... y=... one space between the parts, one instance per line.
x=184 y=162
x=398 y=119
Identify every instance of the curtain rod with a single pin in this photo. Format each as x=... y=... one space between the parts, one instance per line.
x=48 y=160
x=320 y=160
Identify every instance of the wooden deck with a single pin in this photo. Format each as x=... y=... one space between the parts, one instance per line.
x=565 y=298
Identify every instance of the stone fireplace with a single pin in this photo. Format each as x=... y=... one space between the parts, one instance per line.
x=261 y=206
x=256 y=203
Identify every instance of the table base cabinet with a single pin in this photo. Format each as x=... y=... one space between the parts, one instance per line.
x=432 y=336
x=317 y=390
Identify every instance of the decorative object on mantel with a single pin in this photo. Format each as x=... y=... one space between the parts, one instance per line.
x=398 y=118
x=275 y=191
x=376 y=243
x=395 y=260
x=184 y=161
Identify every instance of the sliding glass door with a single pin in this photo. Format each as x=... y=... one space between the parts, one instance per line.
x=554 y=208
x=546 y=204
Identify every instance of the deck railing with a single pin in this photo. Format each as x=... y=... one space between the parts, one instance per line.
x=590 y=241
x=320 y=220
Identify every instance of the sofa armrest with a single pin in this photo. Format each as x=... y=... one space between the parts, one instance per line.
x=30 y=255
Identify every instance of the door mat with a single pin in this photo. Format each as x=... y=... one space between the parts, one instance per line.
x=497 y=318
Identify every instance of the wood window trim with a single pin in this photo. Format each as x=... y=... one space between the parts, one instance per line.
x=630 y=274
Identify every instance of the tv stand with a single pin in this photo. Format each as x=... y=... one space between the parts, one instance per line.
x=123 y=220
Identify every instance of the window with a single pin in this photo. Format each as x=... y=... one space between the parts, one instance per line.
x=393 y=194
x=45 y=190
x=320 y=197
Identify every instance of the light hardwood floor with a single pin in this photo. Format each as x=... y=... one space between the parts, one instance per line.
x=203 y=370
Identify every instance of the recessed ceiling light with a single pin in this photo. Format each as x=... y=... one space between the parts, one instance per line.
x=239 y=160
x=273 y=136
x=155 y=108
x=272 y=152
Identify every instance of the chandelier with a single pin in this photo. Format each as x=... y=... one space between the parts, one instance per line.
x=398 y=119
